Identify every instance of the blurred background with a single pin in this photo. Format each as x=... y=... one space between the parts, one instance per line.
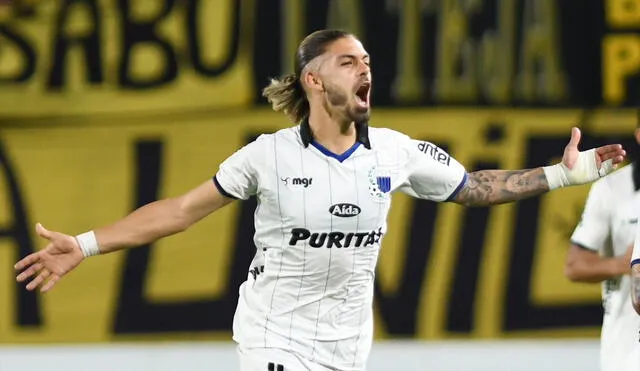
x=107 y=105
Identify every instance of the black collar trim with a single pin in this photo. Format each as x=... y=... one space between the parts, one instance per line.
x=362 y=133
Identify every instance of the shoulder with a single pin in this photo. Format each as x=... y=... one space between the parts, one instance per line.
x=385 y=136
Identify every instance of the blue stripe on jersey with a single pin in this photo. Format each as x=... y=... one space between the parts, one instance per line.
x=341 y=157
x=221 y=190
x=635 y=261
x=458 y=188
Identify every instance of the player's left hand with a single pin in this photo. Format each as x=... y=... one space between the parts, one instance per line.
x=61 y=255
x=606 y=157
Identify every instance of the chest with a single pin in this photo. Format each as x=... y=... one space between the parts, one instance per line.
x=315 y=191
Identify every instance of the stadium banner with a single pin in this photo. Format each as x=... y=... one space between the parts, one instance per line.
x=72 y=57
x=445 y=271
x=109 y=57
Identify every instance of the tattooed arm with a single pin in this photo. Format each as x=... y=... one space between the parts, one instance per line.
x=491 y=187
x=635 y=287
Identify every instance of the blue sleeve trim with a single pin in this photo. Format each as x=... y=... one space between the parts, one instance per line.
x=635 y=261
x=221 y=190
x=458 y=188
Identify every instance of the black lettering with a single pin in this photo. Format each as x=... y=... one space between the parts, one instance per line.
x=89 y=42
x=335 y=239
x=28 y=312
x=195 y=40
x=443 y=158
x=359 y=237
x=274 y=367
x=143 y=33
x=462 y=298
x=317 y=239
x=347 y=242
x=371 y=239
x=28 y=55
x=298 y=234
x=422 y=147
x=255 y=272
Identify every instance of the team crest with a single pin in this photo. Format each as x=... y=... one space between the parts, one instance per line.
x=379 y=184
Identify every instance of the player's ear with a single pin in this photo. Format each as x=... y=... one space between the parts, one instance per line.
x=313 y=81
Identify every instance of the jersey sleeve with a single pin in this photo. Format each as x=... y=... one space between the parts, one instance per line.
x=237 y=175
x=592 y=231
x=430 y=172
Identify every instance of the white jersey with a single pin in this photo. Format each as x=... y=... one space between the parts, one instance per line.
x=319 y=223
x=608 y=227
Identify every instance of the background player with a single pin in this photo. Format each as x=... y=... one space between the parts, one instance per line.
x=307 y=300
x=600 y=252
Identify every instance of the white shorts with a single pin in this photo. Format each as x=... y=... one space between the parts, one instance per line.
x=274 y=359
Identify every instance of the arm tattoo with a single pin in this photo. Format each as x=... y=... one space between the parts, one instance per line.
x=491 y=187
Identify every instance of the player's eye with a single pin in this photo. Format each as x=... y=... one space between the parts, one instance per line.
x=348 y=63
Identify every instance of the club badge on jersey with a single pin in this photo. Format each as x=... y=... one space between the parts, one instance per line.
x=379 y=184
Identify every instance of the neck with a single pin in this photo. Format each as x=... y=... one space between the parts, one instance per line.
x=331 y=131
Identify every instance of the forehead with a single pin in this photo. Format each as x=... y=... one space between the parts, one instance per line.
x=349 y=46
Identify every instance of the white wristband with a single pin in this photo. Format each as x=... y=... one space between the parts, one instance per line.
x=584 y=171
x=88 y=243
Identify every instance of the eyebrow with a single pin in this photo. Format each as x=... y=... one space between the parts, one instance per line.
x=366 y=56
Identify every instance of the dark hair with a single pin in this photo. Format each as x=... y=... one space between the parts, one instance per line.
x=286 y=94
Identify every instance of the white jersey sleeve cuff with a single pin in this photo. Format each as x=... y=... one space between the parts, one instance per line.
x=635 y=256
x=461 y=185
x=223 y=191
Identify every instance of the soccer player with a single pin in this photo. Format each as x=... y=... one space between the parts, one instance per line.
x=600 y=252
x=324 y=191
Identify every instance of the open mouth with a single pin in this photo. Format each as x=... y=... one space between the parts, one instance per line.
x=362 y=94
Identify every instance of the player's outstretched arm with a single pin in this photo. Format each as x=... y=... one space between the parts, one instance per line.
x=491 y=187
x=144 y=225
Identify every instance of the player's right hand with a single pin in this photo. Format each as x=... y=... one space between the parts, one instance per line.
x=47 y=266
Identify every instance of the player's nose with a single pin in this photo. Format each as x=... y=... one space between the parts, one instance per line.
x=364 y=69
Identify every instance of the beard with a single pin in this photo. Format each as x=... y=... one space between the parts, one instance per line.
x=339 y=100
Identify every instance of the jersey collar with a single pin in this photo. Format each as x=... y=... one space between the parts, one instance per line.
x=362 y=133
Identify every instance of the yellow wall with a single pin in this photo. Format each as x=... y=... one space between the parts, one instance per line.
x=76 y=177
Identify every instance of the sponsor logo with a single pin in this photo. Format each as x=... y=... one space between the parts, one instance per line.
x=435 y=152
x=344 y=210
x=335 y=239
x=305 y=182
x=255 y=271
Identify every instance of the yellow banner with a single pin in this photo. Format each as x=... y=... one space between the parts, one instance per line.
x=108 y=56
x=445 y=271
